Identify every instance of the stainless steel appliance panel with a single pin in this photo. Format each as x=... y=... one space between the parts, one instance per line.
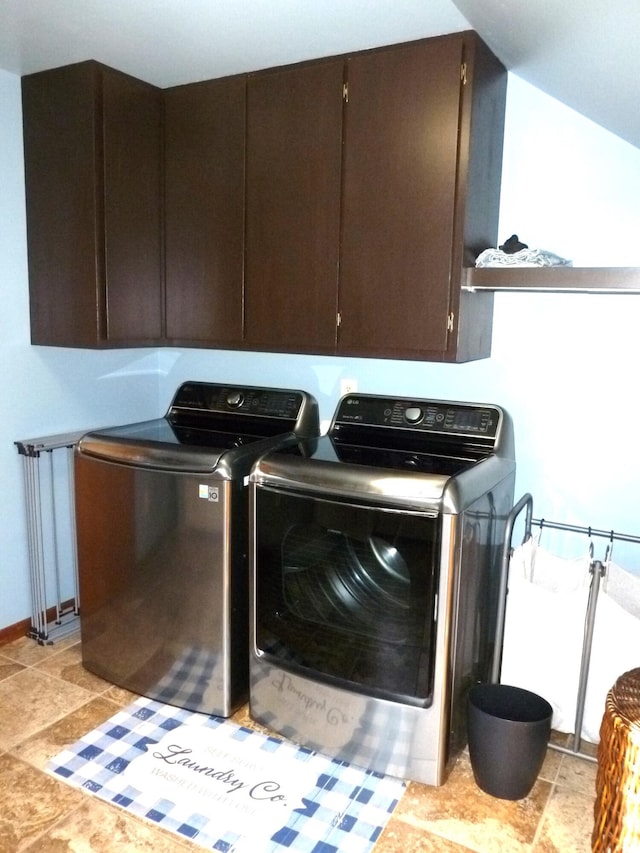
x=160 y=601
x=358 y=724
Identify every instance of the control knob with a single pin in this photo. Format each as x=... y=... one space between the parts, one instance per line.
x=234 y=399
x=413 y=414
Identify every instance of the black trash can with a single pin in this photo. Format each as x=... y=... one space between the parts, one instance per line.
x=509 y=730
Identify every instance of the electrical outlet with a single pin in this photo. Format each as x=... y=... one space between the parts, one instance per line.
x=348 y=386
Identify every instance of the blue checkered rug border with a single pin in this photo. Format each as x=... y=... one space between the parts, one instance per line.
x=343 y=811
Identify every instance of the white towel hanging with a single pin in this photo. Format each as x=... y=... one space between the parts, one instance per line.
x=544 y=622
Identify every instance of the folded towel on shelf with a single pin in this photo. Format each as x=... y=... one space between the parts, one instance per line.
x=523 y=258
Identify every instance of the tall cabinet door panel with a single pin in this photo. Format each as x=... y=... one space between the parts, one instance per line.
x=132 y=209
x=204 y=211
x=65 y=260
x=294 y=127
x=92 y=139
x=401 y=151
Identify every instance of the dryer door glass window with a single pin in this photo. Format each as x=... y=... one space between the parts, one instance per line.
x=347 y=593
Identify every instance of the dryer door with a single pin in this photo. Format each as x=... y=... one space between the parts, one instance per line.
x=347 y=593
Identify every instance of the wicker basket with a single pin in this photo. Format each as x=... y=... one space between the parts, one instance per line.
x=617 y=806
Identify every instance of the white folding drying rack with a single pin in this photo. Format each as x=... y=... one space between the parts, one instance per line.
x=597 y=569
x=51 y=617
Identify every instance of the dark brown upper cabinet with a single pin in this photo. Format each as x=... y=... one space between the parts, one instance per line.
x=294 y=151
x=421 y=186
x=92 y=139
x=370 y=179
x=328 y=207
x=204 y=212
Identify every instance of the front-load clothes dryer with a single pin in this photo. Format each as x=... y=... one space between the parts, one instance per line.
x=162 y=510
x=376 y=557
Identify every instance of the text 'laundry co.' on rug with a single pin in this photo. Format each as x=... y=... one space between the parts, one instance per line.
x=226 y=787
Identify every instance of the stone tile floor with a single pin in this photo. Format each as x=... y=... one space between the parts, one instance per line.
x=48 y=700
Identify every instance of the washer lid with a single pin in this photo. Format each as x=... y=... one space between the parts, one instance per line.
x=209 y=427
x=157 y=444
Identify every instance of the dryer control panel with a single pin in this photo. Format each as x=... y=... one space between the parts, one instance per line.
x=424 y=416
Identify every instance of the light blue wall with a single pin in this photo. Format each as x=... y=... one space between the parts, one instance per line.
x=45 y=390
x=563 y=365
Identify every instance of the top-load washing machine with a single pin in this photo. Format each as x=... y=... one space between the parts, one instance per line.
x=162 y=541
x=376 y=557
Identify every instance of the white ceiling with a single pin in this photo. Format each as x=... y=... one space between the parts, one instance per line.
x=582 y=52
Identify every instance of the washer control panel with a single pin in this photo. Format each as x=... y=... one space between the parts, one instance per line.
x=210 y=402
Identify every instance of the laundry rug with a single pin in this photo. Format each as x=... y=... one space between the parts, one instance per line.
x=226 y=787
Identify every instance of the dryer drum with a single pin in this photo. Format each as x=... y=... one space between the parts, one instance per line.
x=359 y=585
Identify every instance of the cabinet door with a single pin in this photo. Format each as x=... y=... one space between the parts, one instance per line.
x=294 y=126
x=132 y=138
x=61 y=200
x=92 y=173
x=204 y=211
x=399 y=193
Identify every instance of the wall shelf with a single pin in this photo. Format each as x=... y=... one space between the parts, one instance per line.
x=554 y=279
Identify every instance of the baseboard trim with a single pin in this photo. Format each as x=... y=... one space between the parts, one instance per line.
x=24 y=628
x=14 y=632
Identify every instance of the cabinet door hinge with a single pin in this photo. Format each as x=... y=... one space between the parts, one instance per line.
x=450 y=319
x=463 y=73
x=338 y=319
x=345 y=92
